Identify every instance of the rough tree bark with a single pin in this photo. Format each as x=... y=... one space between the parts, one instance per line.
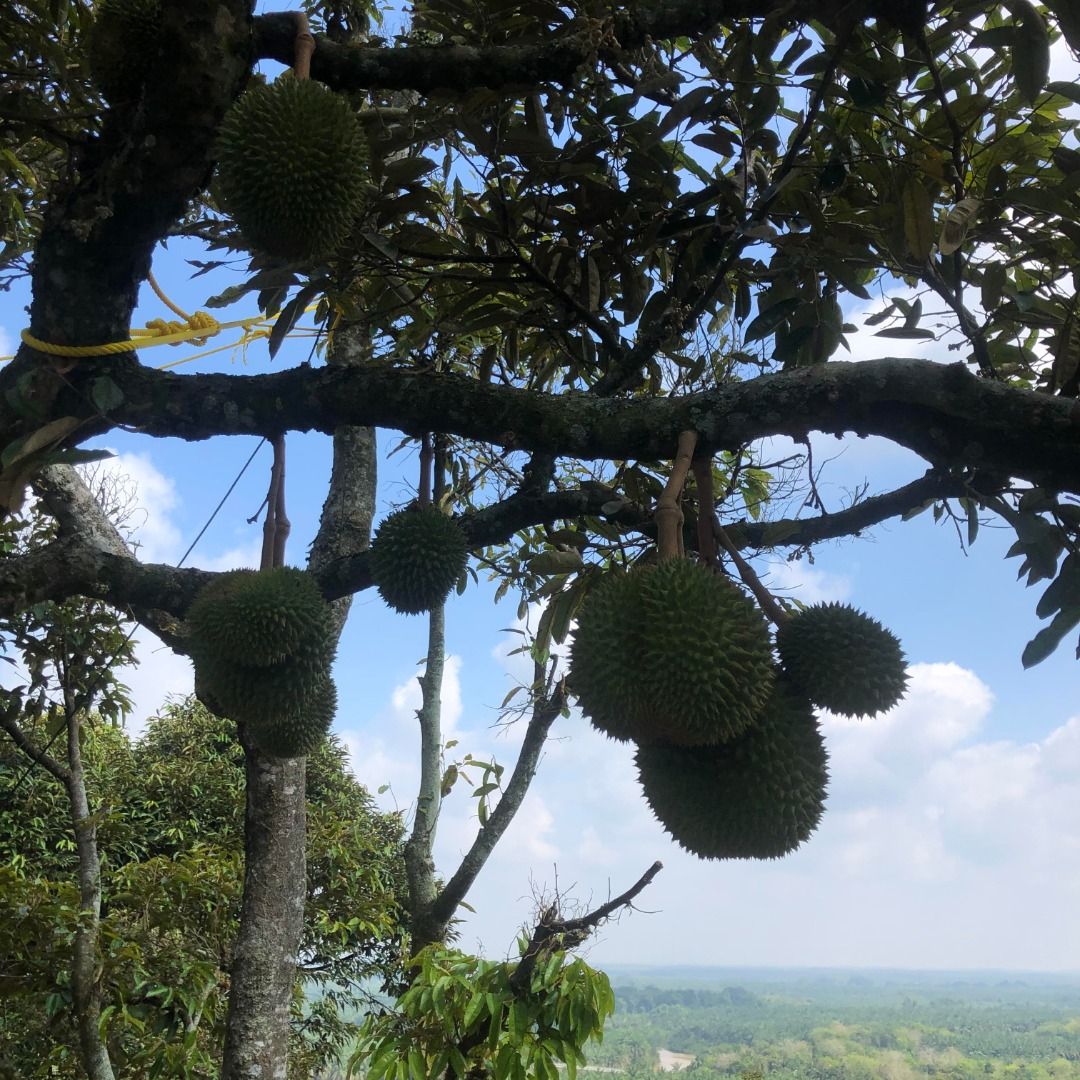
x=275 y=867
x=85 y=989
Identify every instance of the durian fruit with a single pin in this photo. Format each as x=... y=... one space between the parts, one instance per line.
x=292 y=167
x=416 y=558
x=123 y=41
x=295 y=733
x=262 y=645
x=247 y=693
x=757 y=797
x=842 y=659
x=671 y=652
x=263 y=618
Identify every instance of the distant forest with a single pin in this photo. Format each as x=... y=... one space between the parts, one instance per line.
x=843 y=1025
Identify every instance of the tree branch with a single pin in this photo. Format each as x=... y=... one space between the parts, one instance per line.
x=69 y=568
x=556 y=59
x=18 y=737
x=454 y=891
x=553 y=932
x=942 y=412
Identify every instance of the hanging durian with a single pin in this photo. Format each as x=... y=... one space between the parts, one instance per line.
x=292 y=167
x=261 y=618
x=842 y=659
x=756 y=797
x=123 y=41
x=262 y=645
x=416 y=558
x=671 y=652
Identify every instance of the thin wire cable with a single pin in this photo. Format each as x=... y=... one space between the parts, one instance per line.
x=10 y=793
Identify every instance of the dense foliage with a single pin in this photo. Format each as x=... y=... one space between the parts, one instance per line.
x=170 y=810
x=848 y=1026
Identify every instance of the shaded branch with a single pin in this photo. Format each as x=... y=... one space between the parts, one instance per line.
x=555 y=59
x=454 y=891
x=68 y=567
x=19 y=738
x=942 y=412
x=552 y=932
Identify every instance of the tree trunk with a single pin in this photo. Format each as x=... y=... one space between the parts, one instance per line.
x=85 y=990
x=271 y=919
x=275 y=863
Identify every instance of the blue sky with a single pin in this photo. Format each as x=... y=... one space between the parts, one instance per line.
x=952 y=836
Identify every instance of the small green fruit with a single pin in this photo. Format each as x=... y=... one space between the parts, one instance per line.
x=416 y=558
x=842 y=659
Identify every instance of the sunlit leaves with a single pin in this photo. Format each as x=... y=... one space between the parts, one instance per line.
x=461 y=1011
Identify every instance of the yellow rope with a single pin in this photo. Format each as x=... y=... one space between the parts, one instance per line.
x=197 y=328
x=164 y=299
x=158 y=332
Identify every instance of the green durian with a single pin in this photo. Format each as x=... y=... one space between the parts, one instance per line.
x=292 y=167
x=259 y=618
x=259 y=694
x=758 y=796
x=842 y=659
x=123 y=41
x=296 y=733
x=671 y=652
x=416 y=558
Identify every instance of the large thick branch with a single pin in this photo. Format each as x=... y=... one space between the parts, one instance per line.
x=553 y=59
x=949 y=416
x=69 y=567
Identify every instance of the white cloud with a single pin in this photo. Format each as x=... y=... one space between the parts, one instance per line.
x=940 y=846
x=242 y=555
x=407 y=698
x=864 y=344
x=802 y=581
x=160 y=674
x=155 y=499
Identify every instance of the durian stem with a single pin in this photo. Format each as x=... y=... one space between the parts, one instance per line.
x=304 y=47
x=276 y=526
x=765 y=599
x=427 y=461
x=669 y=515
x=703 y=477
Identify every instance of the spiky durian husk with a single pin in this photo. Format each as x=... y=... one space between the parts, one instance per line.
x=756 y=797
x=261 y=618
x=605 y=642
x=671 y=652
x=122 y=46
x=296 y=733
x=416 y=558
x=292 y=166
x=249 y=694
x=842 y=659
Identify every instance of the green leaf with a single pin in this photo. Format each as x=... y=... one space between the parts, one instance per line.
x=768 y=320
x=105 y=395
x=1030 y=50
x=918 y=219
x=1048 y=639
x=911 y=332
